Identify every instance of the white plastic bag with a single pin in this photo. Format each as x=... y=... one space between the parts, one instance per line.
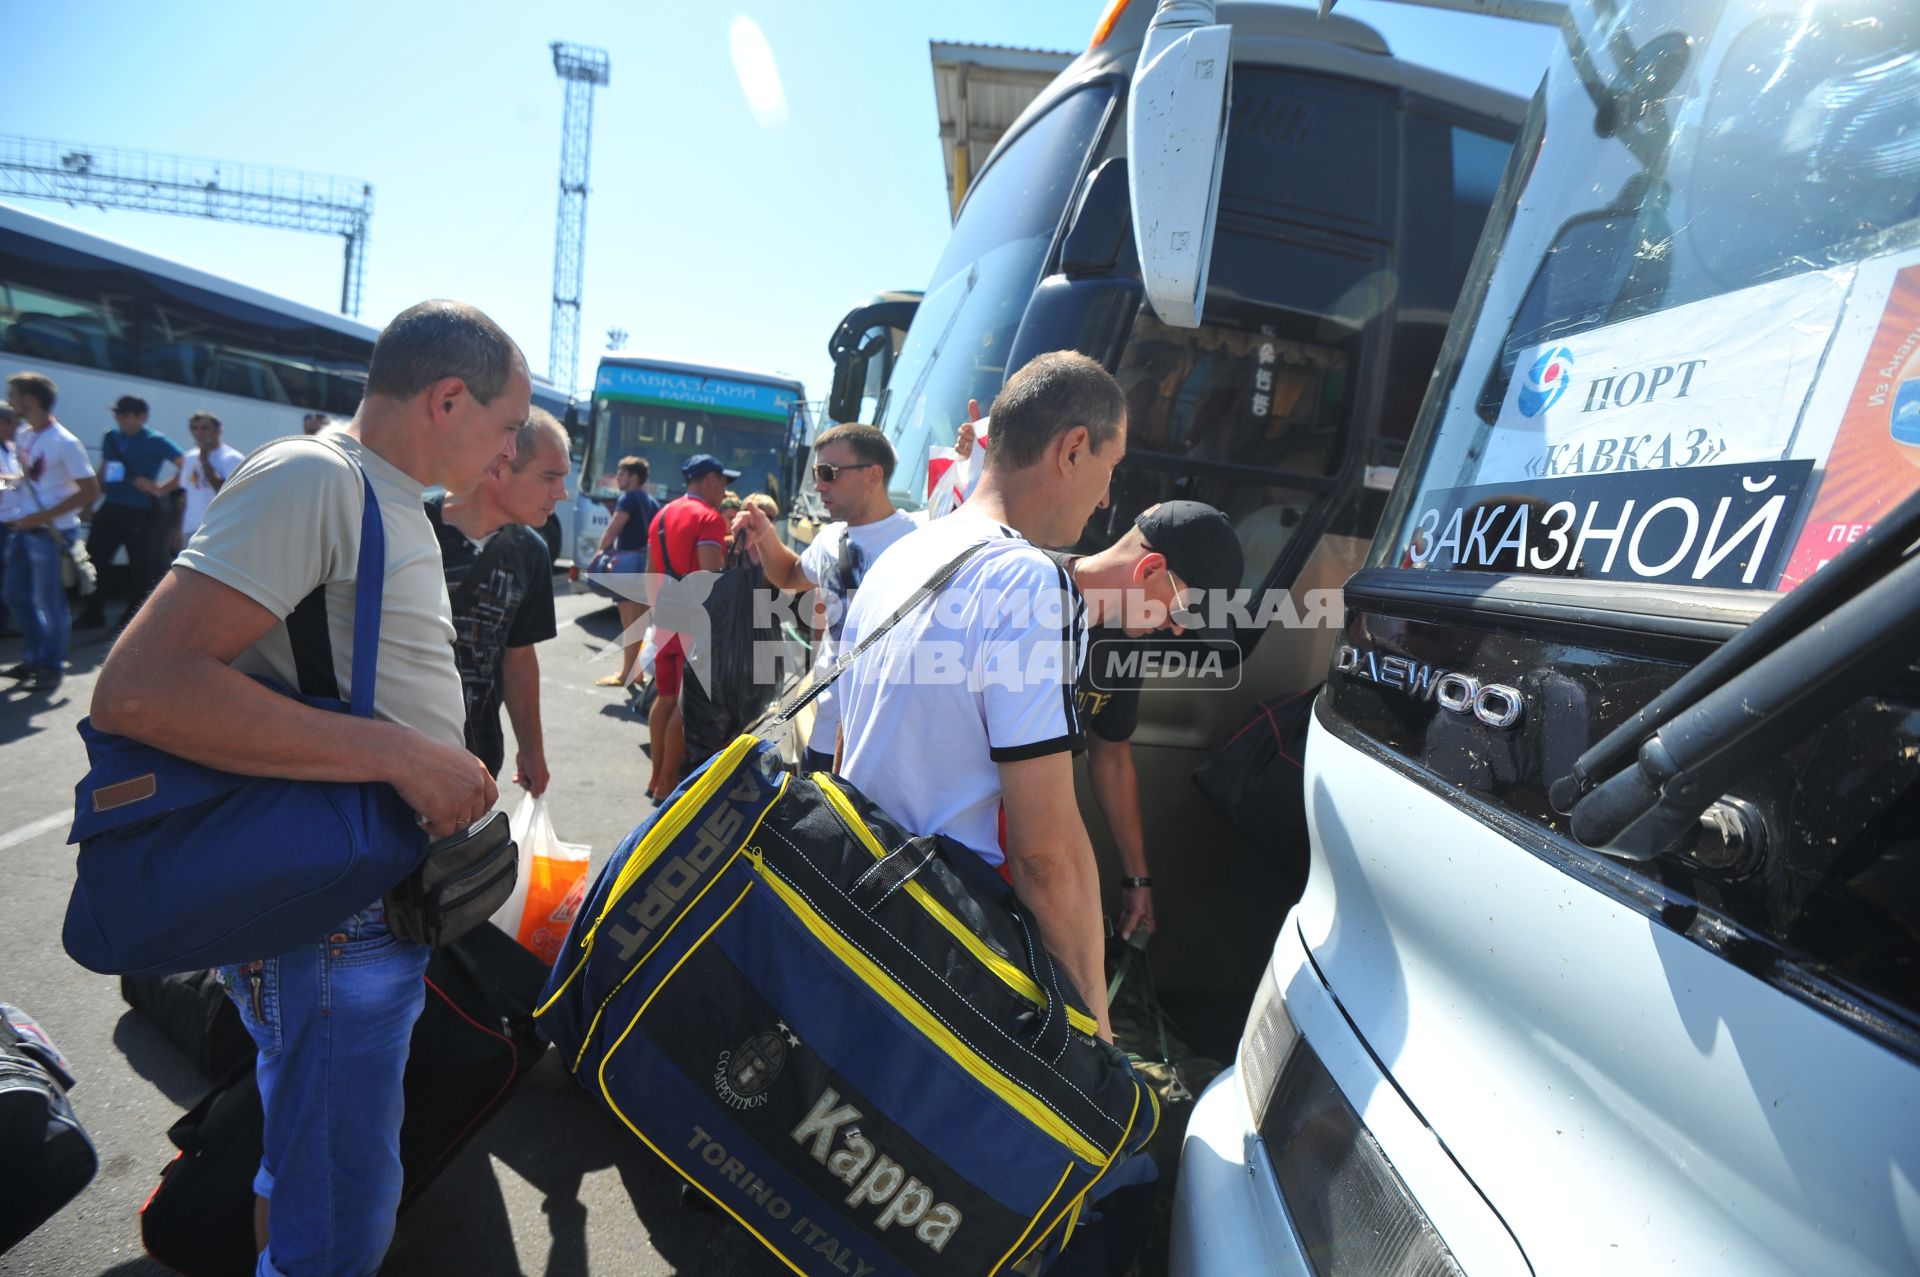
x=551 y=884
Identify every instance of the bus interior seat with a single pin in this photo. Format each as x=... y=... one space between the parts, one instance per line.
x=182 y=362
x=50 y=337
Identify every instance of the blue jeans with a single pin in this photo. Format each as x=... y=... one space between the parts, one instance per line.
x=34 y=596
x=333 y=1021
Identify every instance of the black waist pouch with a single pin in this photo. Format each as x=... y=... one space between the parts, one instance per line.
x=463 y=882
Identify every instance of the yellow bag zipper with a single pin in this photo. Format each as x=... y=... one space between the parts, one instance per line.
x=1014 y=978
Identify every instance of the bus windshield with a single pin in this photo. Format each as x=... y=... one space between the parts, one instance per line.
x=665 y=415
x=1693 y=361
x=957 y=347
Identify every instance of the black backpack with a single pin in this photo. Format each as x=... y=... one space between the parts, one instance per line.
x=1253 y=780
x=46 y=1157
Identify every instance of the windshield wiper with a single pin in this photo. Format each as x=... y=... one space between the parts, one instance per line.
x=1642 y=791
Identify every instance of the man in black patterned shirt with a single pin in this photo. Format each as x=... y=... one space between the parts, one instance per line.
x=500 y=577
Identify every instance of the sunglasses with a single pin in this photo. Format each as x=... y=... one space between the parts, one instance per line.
x=824 y=473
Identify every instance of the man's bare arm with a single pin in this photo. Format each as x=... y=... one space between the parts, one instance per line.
x=612 y=534
x=520 y=690
x=169 y=683
x=1116 y=786
x=713 y=558
x=86 y=495
x=781 y=565
x=1053 y=871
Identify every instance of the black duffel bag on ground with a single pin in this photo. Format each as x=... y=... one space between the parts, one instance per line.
x=46 y=1157
x=193 y=1012
x=473 y=1043
x=1253 y=779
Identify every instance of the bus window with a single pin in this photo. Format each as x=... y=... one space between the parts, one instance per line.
x=1288 y=130
x=1640 y=292
x=957 y=347
x=1242 y=397
x=196 y=337
x=1457 y=169
x=64 y=306
x=1685 y=375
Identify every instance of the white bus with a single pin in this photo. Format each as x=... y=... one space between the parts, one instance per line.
x=1606 y=960
x=665 y=412
x=105 y=320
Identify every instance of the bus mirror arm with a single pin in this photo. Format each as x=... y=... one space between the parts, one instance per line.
x=1682 y=769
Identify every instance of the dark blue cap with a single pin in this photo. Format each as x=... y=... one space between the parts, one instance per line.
x=701 y=464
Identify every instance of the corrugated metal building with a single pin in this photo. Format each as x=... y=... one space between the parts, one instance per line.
x=980 y=89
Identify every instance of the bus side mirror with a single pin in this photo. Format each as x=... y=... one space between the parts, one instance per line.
x=1176 y=140
x=854 y=345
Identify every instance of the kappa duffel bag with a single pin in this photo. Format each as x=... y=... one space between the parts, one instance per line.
x=848 y=1037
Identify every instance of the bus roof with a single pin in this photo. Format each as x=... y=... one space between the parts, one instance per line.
x=703 y=370
x=52 y=232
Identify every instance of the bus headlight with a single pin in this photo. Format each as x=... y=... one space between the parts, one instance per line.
x=1350 y=1209
x=1265 y=1044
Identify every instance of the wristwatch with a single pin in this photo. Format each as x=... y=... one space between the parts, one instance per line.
x=1142 y=881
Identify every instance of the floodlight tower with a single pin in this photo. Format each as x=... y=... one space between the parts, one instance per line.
x=583 y=69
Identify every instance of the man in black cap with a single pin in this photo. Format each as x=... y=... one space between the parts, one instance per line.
x=689 y=534
x=135 y=512
x=1174 y=553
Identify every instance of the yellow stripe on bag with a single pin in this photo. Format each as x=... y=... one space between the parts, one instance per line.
x=664 y=831
x=1014 y=978
x=669 y=826
x=1072 y=1212
x=1034 y=1222
x=1014 y=1095
x=714 y=875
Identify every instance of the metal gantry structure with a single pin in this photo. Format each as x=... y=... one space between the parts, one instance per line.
x=583 y=69
x=110 y=177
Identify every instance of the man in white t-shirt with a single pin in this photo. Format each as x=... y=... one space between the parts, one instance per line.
x=852 y=464
x=42 y=512
x=961 y=720
x=203 y=470
x=267 y=587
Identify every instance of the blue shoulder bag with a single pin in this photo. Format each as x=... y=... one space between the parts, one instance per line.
x=182 y=866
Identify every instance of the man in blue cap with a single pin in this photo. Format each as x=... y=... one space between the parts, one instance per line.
x=689 y=534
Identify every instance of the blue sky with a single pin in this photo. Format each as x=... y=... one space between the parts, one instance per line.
x=712 y=235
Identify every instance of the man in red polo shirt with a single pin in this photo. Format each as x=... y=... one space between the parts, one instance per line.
x=689 y=534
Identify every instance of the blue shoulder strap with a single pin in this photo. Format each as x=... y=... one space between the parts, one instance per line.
x=369 y=585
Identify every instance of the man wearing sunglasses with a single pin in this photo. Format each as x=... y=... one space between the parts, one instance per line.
x=1146 y=582
x=852 y=464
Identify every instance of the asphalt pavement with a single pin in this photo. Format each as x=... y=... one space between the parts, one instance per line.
x=552 y=1186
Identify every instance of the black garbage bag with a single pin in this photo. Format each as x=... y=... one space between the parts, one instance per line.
x=733 y=677
x=1254 y=779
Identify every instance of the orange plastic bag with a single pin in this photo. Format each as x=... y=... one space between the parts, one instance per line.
x=551 y=885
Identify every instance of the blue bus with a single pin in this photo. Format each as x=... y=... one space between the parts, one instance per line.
x=666 y=412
